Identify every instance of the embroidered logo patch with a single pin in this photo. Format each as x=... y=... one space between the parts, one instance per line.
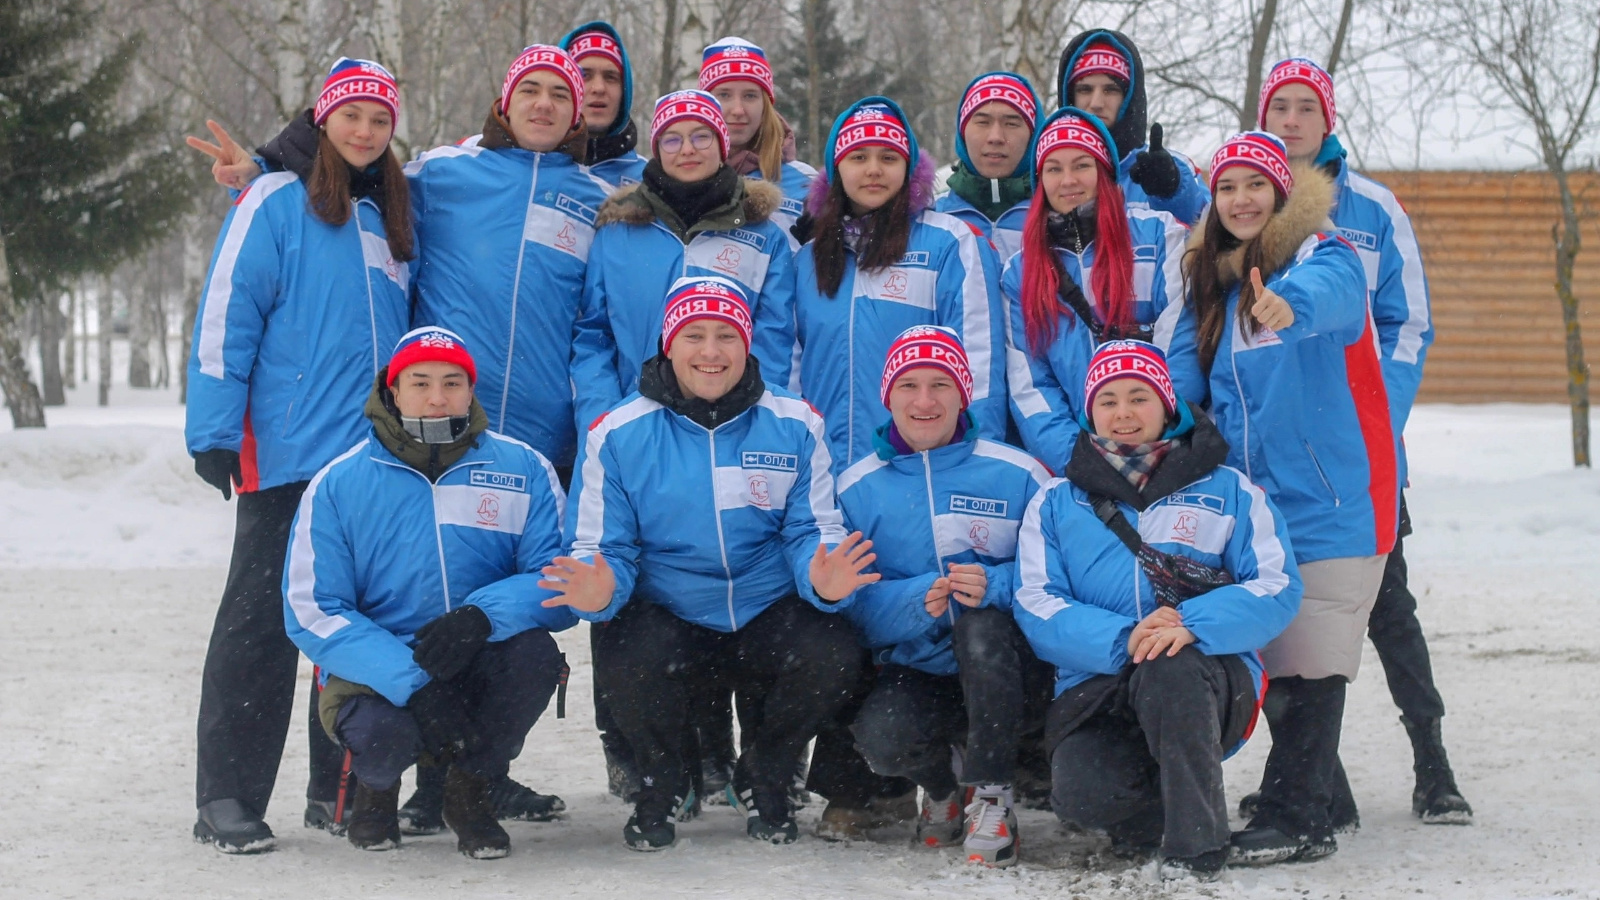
x=777 y=462
x=982 y=506
x=503 y=480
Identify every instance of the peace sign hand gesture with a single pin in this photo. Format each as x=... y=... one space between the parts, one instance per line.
x=232 y=165
x=835 y=574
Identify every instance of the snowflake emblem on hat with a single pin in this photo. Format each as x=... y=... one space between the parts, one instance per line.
x=437 y=340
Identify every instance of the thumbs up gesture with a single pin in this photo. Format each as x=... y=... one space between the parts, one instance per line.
x=1271 y=310
x=1154 y=169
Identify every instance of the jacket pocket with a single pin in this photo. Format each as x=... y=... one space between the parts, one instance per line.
x=1326 y=484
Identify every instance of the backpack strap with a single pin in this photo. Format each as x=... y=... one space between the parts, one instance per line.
x=1105 y=509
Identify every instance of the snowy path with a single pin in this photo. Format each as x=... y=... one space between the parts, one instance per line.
x=111 y=557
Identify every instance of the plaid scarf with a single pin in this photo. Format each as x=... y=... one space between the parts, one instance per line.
x=1135 y=462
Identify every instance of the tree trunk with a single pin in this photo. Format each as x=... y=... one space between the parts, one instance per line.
x=83 y=330
x=1339 y=35
x=667 y=75
x=1258 y=55
x=139 y=326
x=50 y=353
x=103 y=332
x=21 y=394
x=387 y=32
x=69 y=358
x=194 y=274
x=1568 y=241
x=813 y=82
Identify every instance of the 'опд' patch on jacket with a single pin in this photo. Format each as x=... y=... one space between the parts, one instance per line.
x=638 y=253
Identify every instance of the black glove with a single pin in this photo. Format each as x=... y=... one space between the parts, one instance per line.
x=441 y=715
x=220 y=469
x=446 y=646
x=802 y=228
x=1154 y=169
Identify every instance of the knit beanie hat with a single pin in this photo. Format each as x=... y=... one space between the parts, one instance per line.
x=1005 y=87
x=872 y=125
x=356 y=79
x=692 y=106
x=928 y=346
x=1130 y=359
x=430 y=344
x=600 y=39
x=1072 y=127
x=735 y=59
x=552 y=59
x=1260 y=151
x=1299 y=70
x=705 y=297
x=1101 y=58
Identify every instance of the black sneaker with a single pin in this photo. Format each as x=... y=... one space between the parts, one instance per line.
x=1346 y=817
x=322 y=815
x=768 y=816
x=232 y=828
x=1265 y=845
x=654 y=825
x=515 y=801
x=1249 y=805
x=423 y=811
x=1205 y=867
x=374 y=821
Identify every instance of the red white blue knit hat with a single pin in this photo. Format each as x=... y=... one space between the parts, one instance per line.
x=735 y=59
x=928 y=346
x=1072 y=129
x=705 y=297
x=1100 y=58
x=551 y=59
x=873 y=125
x=596 y=43
x=430 y=343
x=693 y=106
x=356 y=79
x=1299 y=70
x=1004 y=87
x=1130 y=359
x=1259 y=150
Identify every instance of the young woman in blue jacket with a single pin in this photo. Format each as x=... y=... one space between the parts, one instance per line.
x=703 y=532
x=880 y=261
x=1090 y=270
x=1149 y=577
x=308 y=288
x=1277 y=341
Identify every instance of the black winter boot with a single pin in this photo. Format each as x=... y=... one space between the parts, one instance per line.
x=423 y=811
x=470 y=814
x=232 y=827
x=517 y=801
x=1436 y=799
x=374 y=820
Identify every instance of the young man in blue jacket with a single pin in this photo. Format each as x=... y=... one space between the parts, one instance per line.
x=1297 y=105
x=942 y=507
x=411 y=581
x=991 y=183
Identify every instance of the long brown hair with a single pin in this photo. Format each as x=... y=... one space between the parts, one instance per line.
x=1203 y=282
x=767 y=144
x=329 y=193
x=883 y=243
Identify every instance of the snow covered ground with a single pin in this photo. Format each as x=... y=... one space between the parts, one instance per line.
x=112 y=554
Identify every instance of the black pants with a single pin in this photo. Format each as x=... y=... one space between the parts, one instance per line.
x=911 y=719
x=506 y=687
x=1397 y=636
x=1303 y=772
x=1149 y=769
x=247 y=689
x=802 y=663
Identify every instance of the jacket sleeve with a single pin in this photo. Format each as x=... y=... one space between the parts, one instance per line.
x=886 y=613
x=773 y=339
x=1183 y=359
x=601 y=520
x=515 y=604
x=968 y=300
x=1002 y=588
x=241 y=291
x=1401 y=312
x=1167 y=292
x=320 y=595
x=1246 y=616
x=1327 y=289
x=1039 y=404
x=594 y=347
x=1063 y=631
x=810 y=516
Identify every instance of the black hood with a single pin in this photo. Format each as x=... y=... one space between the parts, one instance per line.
x=294 y=149
x=1132 y=128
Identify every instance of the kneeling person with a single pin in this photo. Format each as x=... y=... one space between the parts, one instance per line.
x=939 y=623
x=703 y=533
x=411 y=581
x=1149 y=577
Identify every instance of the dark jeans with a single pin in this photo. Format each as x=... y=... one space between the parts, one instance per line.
x=247 y=686
x=1149 y=769
x=802 y=663
x=506 y=688
x=1397 y=636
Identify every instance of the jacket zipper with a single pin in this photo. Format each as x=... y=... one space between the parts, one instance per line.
x=1244 y=405
x=438 y=536
x=372 y=310
x=516 y=288
x=716 y=513
x=933 y=525
x=1320 y=473
x=850 y=386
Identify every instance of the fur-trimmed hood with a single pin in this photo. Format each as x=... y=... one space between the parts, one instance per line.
x=921 y=183
x=625 y=205
x=1304 y=214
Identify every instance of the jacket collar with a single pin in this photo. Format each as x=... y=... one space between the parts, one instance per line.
x=658 y=382
x=754 y=203
x=497 y=136
x=1198 y=455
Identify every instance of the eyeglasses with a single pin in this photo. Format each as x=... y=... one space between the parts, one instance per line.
x=700 y=140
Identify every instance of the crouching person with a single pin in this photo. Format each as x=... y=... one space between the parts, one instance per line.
x=942 y=507
x=703 y=533
x=411 y=582
x=1149 y=576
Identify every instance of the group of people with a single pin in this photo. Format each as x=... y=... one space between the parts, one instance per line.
x=1016 y=484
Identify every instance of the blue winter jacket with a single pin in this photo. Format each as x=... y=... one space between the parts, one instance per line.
x=632 y=266
x=961 y=503
x=1004 y=234
x=295 y=319
x=714 y=525
x=1080 y=590
x=505 y=236
x=1304 y=409
x=1047 y=392
x=620 y=171
x=795 y=182
x=378 y=551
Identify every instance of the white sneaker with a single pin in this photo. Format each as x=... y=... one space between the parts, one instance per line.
x=991 y=827
x=939 y=821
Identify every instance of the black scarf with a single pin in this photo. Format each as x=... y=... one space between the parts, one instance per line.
x=1073 y=230
x=1190 y=458
x=295 y=150
x=658 y=382
x=610 y=146
x=690 y=201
